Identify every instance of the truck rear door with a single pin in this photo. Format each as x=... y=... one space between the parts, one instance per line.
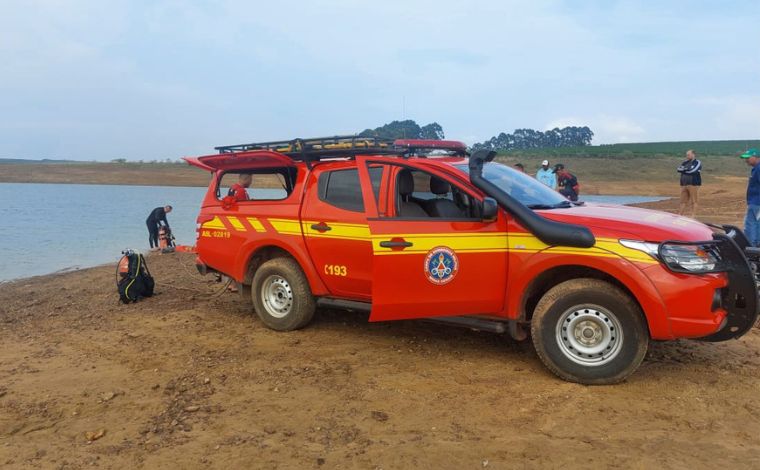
x=226 y=224
x=336 y=232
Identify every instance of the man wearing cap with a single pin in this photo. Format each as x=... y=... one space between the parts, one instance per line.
x=691 y=180
x=568 y=183
x=751 y=222
x=546 y=175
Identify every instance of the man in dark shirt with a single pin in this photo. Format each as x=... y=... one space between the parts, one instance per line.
x=156 y=218
x=751 y=220
x=567 y=182
x=691 y=180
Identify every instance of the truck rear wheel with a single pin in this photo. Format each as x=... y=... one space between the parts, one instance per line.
x=589 y=331
x=281 y=295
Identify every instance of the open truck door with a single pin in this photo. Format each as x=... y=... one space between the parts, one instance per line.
x=447 y=264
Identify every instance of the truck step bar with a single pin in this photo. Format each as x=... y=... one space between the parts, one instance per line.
x=327 y=302
x=472 y=323
x=478 y=324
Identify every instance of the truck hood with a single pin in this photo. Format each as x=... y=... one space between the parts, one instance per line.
x=608 y=220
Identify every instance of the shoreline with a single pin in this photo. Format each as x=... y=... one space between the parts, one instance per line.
x=666 y=203
x=75 y=268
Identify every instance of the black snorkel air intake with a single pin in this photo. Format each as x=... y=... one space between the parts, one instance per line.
x=548 y=231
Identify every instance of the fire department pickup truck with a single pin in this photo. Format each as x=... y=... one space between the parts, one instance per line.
x=417 y=229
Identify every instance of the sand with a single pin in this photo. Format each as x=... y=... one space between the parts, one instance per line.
x=189 y=380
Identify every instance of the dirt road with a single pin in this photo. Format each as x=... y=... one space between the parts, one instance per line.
x=183 y=380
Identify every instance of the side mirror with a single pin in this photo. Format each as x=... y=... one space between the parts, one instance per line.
x=490 y=209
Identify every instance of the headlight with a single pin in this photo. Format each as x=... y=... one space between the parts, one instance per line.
x=695 y=258
x=692 y=258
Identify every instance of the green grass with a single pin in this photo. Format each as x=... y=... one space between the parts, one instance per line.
x=634 y=169
x=647 y=149
x=653 y=162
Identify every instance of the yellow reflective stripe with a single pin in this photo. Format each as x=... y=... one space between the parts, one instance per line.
x=517 y=242
x=286 y=226
x=257 y=226
x=465 y=242
x=623 y=251
x=422 y=243
x=236 y=224
x=358 y=232
x=215 y=223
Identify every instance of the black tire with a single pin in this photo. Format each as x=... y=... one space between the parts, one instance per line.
x=281 y=295
x=603 y=321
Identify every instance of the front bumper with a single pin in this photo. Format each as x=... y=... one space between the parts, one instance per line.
x=740 y=296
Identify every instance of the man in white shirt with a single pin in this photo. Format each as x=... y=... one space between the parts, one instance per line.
x=546 y=175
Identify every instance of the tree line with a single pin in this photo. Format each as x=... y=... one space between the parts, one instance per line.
x=407 y=129
x=571 y=136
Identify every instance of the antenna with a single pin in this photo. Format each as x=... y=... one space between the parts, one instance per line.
x=403 y=114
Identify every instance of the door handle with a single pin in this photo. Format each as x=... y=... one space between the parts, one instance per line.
x=321 y=227
x=395 y=244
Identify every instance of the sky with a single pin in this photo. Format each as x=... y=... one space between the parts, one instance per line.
x=98 y=80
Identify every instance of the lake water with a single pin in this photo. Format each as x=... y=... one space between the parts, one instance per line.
x=52 y=227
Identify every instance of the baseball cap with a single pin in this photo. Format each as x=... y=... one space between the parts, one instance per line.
x=750 y=153
x=545 y=162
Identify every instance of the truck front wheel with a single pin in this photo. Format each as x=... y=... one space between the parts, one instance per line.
x=281 y=295
x=589 y=331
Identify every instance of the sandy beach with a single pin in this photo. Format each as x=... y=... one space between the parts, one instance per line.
x=189 y=379
x=364 y=138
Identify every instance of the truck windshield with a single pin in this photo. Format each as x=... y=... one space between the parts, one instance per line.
x=521 y=186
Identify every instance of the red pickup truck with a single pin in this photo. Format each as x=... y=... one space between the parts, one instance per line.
x=422 y=229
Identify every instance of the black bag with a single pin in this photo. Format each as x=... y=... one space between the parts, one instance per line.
x=133 y=280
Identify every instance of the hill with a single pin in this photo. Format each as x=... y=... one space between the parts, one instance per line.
x=644 y=149
x=143 y=174
x=4 y=161
x=643 y=168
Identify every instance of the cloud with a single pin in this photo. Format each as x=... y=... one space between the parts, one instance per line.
x=608 y=129
x=151 y=79
x=734 y=117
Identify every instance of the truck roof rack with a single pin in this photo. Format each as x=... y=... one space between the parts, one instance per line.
x=347 y=146
x=315 y=148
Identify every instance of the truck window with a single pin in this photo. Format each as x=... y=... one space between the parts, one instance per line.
x=268 y=185
x=341 y=188
x=418 y=194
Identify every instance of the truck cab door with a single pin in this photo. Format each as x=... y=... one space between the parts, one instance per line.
x=432 y=255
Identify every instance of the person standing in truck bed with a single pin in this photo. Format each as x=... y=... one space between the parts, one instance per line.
x=239 y=190
x=691 y=180
x=154 y=221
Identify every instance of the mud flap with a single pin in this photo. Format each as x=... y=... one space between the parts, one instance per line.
x=740 y=297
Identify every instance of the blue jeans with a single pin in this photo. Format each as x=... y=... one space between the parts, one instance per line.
x=752 y=225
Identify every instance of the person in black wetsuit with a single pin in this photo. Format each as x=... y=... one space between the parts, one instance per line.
x=567 y=182
x=156 y=218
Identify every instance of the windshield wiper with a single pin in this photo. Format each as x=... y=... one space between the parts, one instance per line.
x=559 y=205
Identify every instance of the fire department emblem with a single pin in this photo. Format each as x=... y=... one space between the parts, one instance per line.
x=441 y=265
